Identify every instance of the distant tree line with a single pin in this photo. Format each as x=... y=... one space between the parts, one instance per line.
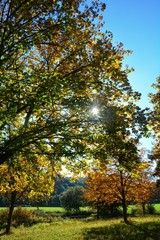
x=62 y=184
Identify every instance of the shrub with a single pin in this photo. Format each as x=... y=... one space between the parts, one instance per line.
x=3 y=217
x=20 y=216
x=151 y=209
x=135 y=211
x=72 y=199
x=110 y=211
x=23 y=216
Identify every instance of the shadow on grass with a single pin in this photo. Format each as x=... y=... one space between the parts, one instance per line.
x=137 y=231
x=2 y=229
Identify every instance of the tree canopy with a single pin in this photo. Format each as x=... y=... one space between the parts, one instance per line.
x=116 y=185
x=55 y=64
x=72 y=199
x=155 y=123
x=25 y=180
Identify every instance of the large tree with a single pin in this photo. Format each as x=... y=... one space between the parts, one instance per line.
x=55 y=63
x=155 y=123
x=144 y=185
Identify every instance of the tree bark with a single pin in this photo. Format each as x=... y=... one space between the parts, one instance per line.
x=98 y=212
x=11 y=209
x=143 y=208
x=124 y=204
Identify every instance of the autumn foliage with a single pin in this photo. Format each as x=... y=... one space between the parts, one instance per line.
x=155 y=124
x=116 y=185
x=56 y=63
x=24 y=180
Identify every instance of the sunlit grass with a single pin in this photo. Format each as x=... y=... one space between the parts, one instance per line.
x=147 y=227
x=45 y=209
x=157 y=207
x=62 y=210
x=115 y=229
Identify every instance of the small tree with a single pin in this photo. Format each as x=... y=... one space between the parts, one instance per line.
x=117 y=185
x=97 y=194
x=144 y=187
x=114 y=188
x=25 y=180
x=72 y=199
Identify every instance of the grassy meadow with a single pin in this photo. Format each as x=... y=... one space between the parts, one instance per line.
x=147 y=228
x=62 y=210
x=140 y=228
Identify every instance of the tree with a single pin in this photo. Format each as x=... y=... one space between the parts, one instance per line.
x=25 y=180
x=61 y=184
x=23 y=25
x=114 y=188
x=116 y=185
x=155 y=124
x=144 y=184
x=97 y=194
x=122 y=124
x=55 y=64
x=72 y=199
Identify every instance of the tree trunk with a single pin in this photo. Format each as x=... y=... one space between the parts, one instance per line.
x=11 y=209
x=98 y=212
x=143 y=208
x=111 y=209
x=124 y=206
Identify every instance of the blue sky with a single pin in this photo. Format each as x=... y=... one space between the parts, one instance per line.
x=136 y=23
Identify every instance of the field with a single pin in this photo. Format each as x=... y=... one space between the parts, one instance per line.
x=140 y=228
x=61 y=210
x=157 y=207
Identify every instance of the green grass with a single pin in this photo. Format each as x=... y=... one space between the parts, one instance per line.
x=147 y=228
x=45 y=209
x=62 y=210
x=141 y=228
x=48 y=209
x=157 y=207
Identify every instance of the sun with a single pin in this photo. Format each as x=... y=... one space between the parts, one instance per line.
x=95 y=111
